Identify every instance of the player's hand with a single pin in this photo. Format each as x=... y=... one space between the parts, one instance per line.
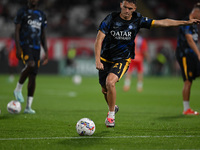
x=18 y=54
x=45 y=60
x=194 y=21
x=99 y=65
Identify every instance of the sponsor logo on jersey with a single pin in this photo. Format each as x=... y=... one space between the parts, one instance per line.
x=121 y=35
x=34 y=24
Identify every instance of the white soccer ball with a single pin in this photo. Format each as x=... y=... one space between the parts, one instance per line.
x=85 y=126
x=77 y=79
x=14 y=107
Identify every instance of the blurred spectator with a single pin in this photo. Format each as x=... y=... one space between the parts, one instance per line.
x=12 y=60
x=141 y=53
x=71 y=55
x=81 y=17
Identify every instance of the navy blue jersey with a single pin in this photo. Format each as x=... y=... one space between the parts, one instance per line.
x=182 y=45
x=32 y=23
x=120 y=35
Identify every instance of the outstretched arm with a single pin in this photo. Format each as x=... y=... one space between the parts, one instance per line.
x=98 y=44
x=173 y=23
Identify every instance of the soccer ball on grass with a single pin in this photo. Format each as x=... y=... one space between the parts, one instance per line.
x=85 y=126
x=77 y=79
x=14 y=107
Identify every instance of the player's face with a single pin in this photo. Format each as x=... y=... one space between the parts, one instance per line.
x=127 y=8
x=197 y=13
x=33 y=3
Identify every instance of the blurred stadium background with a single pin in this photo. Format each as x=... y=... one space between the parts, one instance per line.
x=72 y=28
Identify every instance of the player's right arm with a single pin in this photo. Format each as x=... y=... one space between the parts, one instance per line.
x=98 y=44
x=17 y=40
x=192 y=44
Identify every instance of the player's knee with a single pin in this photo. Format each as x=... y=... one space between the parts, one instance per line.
x=187 y=83
x=110 y=84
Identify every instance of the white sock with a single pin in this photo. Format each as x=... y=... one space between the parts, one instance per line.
x=139 y=84
x=29 y=102
x=186 y=105
x=127 y=82
x=111 y=114
x=19 y=87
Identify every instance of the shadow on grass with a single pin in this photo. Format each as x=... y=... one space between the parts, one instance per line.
x=9 y=116
x=88 y=141
x=81 y=143
x=175 y=117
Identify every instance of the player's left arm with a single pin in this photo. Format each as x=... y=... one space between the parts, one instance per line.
x=44 y=45
x=17 y=40
x=173 y=23
x=192 y=44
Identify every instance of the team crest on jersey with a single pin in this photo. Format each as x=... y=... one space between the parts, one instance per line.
x=130 y=27
x=195 y=37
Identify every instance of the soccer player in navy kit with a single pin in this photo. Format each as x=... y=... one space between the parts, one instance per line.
x=114 y=48
x=188 y=56
x=30 y=24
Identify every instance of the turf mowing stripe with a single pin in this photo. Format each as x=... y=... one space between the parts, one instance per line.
x=93 y=137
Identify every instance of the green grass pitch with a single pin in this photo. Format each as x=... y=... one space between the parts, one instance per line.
x=149 y=120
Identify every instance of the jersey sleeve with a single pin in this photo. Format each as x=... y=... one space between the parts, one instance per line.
x=186 y=30
x=105 y=24
x=18 y=17
x=44 y=23
x=145 y=22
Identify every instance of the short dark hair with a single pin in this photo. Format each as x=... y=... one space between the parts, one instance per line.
x=197 y=5
x=131 y=1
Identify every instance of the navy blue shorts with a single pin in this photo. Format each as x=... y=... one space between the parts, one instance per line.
x=190 y=66
x=119 y=68
x=29 y=54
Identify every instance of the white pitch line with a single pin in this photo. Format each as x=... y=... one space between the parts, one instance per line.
x=93 y=137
